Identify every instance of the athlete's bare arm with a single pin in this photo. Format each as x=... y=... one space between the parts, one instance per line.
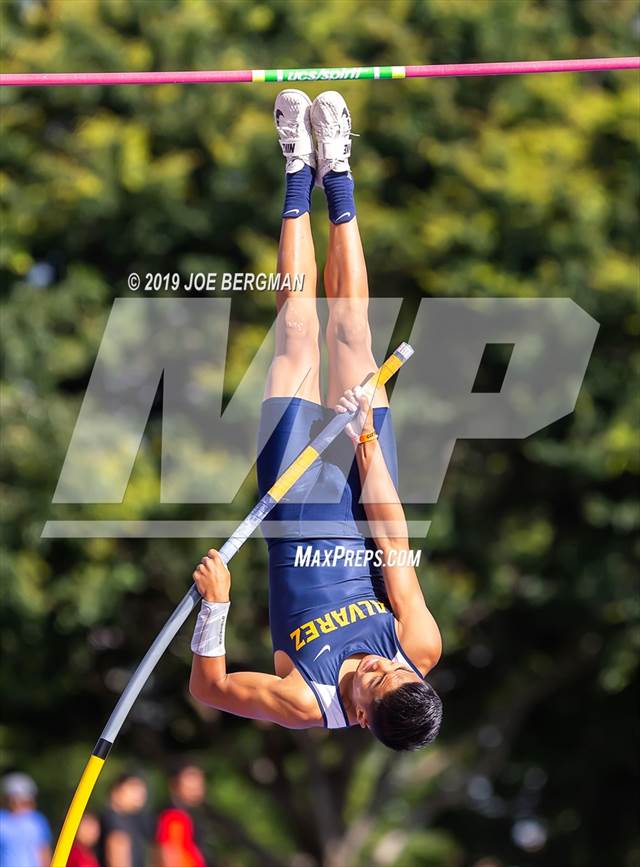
x=251 y=694
x=419 y=632
x=254 y=695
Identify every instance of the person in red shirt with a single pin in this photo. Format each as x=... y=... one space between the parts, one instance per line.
x=82 y=854
x=176 y=833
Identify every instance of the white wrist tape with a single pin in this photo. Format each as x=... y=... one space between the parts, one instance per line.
x=208 y=636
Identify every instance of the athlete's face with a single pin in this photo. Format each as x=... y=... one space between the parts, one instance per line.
x=374 y=677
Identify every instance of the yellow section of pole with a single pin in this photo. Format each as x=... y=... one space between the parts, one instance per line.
x=291 y=476
x=76 y=811
x=390 y=366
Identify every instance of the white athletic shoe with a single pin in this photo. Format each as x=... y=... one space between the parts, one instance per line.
x=331 y=123
x=291 y=114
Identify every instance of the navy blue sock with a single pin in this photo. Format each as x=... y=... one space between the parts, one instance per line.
x=297 y=197
x=339 y=189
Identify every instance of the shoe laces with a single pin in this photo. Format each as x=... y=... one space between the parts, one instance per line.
x=291 y=130
x=334 y=129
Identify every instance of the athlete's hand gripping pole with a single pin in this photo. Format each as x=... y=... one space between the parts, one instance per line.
x=255 y=517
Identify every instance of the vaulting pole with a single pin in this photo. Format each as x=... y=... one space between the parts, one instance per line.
x=140 y=676
x=341 y=73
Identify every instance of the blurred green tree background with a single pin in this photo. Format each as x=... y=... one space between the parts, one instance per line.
x=482 y=187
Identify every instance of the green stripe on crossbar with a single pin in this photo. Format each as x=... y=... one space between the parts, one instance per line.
x=337 y=73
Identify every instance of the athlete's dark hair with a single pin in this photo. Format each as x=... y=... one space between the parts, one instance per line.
x=407 y=718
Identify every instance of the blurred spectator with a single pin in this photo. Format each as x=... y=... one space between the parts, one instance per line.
x=125 y=825
x=180 y=833
x=82 y=852
x=25 y=836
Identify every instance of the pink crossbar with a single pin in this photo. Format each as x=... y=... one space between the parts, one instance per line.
x=594 y=64
x=54 y=79
x=44 y=79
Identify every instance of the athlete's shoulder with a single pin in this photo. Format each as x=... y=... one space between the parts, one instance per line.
x=304 y=711
x=420 y=639
x=416 y=627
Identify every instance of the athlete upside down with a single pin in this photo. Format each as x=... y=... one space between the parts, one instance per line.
x=352 y=641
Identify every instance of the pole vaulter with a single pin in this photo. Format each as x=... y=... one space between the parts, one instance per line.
x=255 y=517
x=341 y=73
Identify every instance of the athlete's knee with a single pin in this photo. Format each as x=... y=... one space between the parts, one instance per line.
x=349 y=323
x=298 y=329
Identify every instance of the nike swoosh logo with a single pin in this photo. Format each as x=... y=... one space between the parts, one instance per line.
x=326 y=647
x=292 y=211
x=346 y=214
x=279 y=114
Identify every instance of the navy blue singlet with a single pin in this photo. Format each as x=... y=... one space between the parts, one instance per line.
x=333 y=604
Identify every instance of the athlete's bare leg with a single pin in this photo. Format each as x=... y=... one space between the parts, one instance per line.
x=295 y=369
x=348 y=333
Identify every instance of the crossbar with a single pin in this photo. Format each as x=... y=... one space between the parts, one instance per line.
x=340 y=73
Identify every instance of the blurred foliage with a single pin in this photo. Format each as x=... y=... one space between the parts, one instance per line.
x=518 y=187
